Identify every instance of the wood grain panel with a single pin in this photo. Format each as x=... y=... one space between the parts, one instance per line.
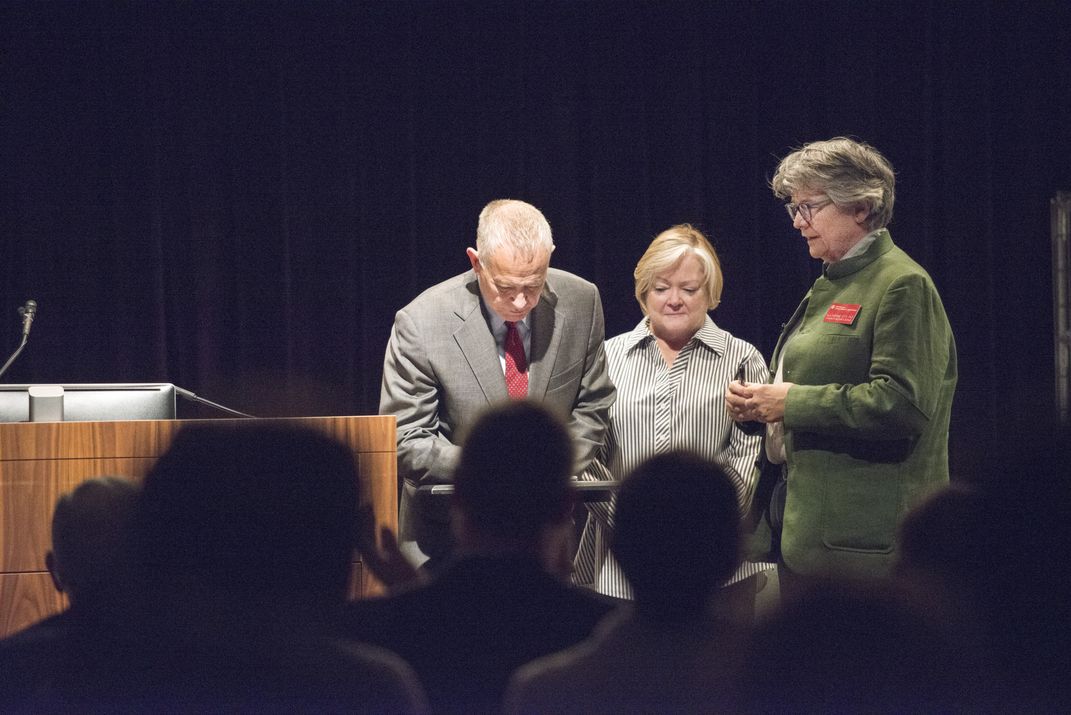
x=149 y=438
x=372 y=433
x=73 y=440
x=27 y=598
x=359 y=586
x=41 y=461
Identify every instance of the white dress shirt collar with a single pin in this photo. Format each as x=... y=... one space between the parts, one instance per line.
x=708 y=334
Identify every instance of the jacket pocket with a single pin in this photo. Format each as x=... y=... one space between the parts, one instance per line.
x=860 y=507
x=567 y=379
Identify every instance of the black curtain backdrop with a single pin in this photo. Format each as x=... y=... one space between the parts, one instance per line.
x=236 y=197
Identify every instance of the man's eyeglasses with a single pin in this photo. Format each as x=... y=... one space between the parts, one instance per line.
x=806 y=209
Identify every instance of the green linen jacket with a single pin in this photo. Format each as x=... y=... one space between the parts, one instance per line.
x=866 y=422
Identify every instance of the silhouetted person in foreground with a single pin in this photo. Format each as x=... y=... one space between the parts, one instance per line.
x=842 y=647
x=950 y=549
x=242 y=544
x=677 y=539
x=504 y=600
x=88 y=528
x=993 y=555
x=86 y=562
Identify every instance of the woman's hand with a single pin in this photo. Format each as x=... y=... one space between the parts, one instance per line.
x=736 y=396
x=754 y=402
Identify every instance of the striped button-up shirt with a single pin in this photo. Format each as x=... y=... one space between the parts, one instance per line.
x=664 y=407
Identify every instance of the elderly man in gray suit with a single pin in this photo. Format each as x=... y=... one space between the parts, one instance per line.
x=511 y=327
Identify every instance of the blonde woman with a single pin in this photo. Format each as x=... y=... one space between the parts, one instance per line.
x=670 y=372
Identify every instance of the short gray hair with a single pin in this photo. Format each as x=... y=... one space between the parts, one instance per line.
x=514 y=224
x=847 y=171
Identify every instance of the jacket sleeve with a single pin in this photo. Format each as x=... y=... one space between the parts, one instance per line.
x=589 y=420
x=410 y=392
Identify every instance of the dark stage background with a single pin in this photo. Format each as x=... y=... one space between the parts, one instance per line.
x=236 y=197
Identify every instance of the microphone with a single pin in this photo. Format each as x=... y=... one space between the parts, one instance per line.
x=28 y=313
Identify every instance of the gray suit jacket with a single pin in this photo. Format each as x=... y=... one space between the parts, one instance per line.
x=442 y=369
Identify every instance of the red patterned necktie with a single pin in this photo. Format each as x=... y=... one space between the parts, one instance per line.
x=516 y=363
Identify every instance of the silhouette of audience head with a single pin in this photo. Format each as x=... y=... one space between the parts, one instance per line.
x=513 y=478
x=677 y=532
x=949 y=538
x=851 y=647
x=987 y=556
x=250 y=510
x=88 y=534
x=242 y=541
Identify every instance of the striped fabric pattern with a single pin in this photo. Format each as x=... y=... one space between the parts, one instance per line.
x=661 y=408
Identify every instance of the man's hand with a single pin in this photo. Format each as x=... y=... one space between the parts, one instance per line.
x=754 y=402
x=385 y=560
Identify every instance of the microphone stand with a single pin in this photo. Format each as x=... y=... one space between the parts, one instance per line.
x=14 y=355
x=195 y=398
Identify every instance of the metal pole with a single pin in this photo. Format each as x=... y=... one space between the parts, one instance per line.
x=1061 y=287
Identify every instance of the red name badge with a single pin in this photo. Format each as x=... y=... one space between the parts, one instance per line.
x=843 y=313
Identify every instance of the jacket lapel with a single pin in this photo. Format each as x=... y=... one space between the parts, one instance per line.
x=477 y=344
x=882 y=245
x=547 y=328
x=786 y=330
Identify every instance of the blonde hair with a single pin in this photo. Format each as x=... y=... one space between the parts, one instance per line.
x=847 y=171
x=670 y=247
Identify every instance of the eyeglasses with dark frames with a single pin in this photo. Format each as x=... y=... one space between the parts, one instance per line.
x=806 y=209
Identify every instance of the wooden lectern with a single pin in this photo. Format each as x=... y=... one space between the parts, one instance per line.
x=43 y=460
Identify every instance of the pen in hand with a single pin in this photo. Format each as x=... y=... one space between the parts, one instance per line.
x=740 y=371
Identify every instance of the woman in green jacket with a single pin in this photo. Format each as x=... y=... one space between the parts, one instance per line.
x=863 y=374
